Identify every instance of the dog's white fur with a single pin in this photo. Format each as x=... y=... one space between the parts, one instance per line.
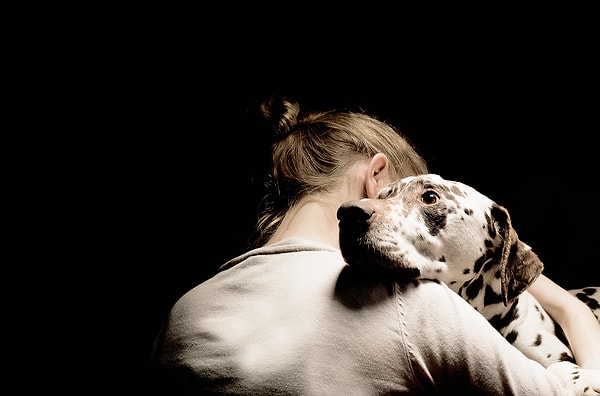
x=429 y=227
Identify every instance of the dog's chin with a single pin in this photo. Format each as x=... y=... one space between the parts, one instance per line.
x=362 y=256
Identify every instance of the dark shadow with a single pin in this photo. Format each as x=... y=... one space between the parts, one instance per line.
x=358 y=287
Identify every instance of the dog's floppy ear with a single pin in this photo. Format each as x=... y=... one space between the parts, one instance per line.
x=519 y=265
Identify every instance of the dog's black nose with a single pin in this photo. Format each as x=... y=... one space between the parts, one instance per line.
x=354 y=211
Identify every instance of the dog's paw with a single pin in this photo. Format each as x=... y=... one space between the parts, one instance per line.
x=576 y=380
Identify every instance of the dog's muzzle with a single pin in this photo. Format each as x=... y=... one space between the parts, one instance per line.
x=355 y=212
x=354 y=218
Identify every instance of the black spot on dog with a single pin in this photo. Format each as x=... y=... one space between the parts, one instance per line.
x=490 y=226
x=491 y=297
x=538 y=340
x=478 y=263
x=499 y=322
x=468 y=211
x=559 y=332
x=512 y=336
x=474 y=288
x=565 y=357
x=542 y=316
x=591 y=302
x=435 y=220
x=466 y=271
x=589 y=290
x=488 y=265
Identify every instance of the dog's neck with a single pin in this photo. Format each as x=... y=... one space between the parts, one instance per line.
x=484 y=291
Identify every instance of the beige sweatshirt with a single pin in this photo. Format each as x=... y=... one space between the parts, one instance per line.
x=292 y=318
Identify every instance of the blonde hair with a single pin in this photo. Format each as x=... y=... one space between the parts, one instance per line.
x=310 y=152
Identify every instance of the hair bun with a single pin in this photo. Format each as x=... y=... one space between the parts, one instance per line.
x=281 y=114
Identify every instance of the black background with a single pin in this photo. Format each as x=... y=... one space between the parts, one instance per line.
x=171 y=182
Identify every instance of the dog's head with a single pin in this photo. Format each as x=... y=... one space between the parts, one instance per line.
x=428 y=227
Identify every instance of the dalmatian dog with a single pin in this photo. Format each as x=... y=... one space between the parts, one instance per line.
x=429 y=227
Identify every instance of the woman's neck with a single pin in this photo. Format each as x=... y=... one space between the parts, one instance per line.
x=312 y=219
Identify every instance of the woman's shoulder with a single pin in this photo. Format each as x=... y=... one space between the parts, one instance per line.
x=288 y=245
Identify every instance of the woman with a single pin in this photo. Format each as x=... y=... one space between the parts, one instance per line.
x=289 y=317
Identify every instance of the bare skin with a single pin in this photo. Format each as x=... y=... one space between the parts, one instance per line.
x=316 y=219
x=578 y=322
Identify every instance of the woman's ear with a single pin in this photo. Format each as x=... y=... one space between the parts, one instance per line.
x=378 y=175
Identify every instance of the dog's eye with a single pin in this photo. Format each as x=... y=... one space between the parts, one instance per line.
x=430 y=197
